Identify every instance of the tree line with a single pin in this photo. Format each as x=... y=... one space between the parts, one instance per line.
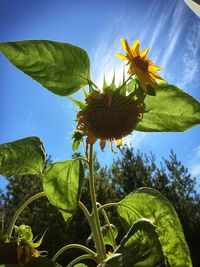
x=132 y=169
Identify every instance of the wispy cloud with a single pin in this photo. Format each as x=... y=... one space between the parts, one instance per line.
x=104 y=60
x=194 y=164
x=135 y=139
x=191 y=57
x=173 y=31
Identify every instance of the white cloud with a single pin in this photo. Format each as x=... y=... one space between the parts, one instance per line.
x=191 y=56
x=135 y=139
x=175 y=29
x=194 y=164
x=104 y=59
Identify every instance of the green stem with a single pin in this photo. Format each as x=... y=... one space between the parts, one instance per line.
x=85 y=211
x=95 y=222
x=92 y=83
x=110 y=227
x=125 y=82
x=89 y=251
x=83 y=159
x=108 y=205
x=21 y=208
x=80 y=258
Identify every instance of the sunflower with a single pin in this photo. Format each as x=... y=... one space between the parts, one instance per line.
x=140 y=65
x=109 y=116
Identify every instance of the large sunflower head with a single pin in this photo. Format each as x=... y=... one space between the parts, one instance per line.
x=140 y=65
x=109 y=115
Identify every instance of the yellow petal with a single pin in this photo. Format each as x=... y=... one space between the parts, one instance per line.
x=136 y=48
x=156 y=76
x=127 y=48
x=154 y=68
x=145 y=52
x=120 y=56
x=102 y=144
x=123 y=42
x=111 y=147
x=119 y=142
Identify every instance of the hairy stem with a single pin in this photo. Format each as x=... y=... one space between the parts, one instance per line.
x=85 y=211
x=21 y=208
x=110 y=227
x=89 y=251
x=80 y=258
x=95 y=222
x=108 y=205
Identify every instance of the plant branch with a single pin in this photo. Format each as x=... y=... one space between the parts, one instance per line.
x=108 y=205
x=21 y=208
x=109 y=225
x=59 y=252
x=85 y=211
x=80 y=258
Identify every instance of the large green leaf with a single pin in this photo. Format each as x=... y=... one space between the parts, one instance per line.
x=171 y=110
x=139 y=248
x=149 y=203
x=60 y=67
x=62 y=184
x=22 y=157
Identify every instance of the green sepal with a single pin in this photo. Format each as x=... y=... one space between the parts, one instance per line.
x=150 y=90
x=79 y=104
x=85 y=93
x=105 y=85
x=75 y=145
x=39 y=242
x=62 y=68
x=22 y=157
x=112 y=86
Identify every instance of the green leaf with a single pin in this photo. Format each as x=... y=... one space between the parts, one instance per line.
x=139 y=248
x=62 y=184
x=60 y=67
x=149 y=203
x=107 y=235
x=171 y=110
x=22 y=157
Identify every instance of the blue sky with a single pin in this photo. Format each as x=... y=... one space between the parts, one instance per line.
x=168 y=27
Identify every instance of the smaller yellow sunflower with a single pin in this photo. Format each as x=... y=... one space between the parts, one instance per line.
x=140 y=65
